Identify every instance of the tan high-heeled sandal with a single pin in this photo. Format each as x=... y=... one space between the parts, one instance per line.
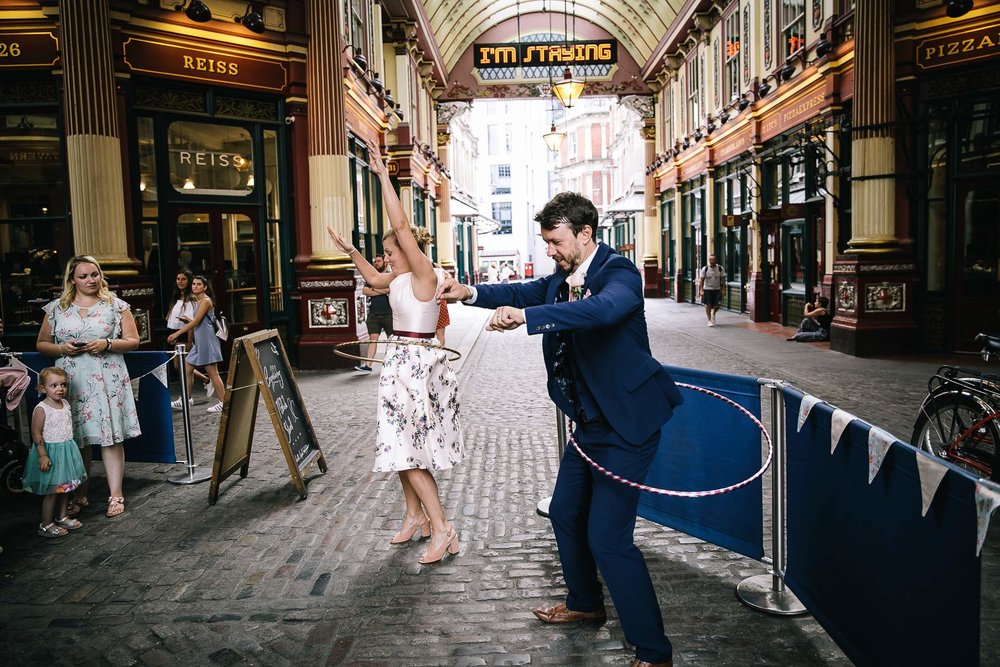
x=435 y=552
x=116 y=505
x=405 y=533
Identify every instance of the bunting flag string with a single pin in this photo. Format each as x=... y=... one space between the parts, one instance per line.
x=878 y=445
x=805 y=408
x=931 y=472
x=838 y=423
x=987 y=500
x=160 y=372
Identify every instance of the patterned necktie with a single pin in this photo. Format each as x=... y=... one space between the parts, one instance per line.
x=561 y=363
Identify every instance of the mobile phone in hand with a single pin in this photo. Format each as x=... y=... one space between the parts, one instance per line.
x=79 y=344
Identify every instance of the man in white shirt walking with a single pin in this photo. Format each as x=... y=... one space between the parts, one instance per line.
x=710 y=281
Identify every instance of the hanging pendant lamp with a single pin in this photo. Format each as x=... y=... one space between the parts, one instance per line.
x=553 y=138
x=569 y=89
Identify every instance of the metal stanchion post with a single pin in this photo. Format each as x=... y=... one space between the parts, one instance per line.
x=543 y=504
x=191 y=476
x=767 y=592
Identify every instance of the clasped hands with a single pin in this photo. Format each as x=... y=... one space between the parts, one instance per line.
x=503 y=318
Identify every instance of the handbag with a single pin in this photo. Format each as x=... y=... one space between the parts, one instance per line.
x=222 y=327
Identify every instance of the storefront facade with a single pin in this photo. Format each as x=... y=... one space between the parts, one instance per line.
x=948 y=78
x=159 y=142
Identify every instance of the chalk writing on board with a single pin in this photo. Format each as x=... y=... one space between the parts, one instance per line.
x=280 y=383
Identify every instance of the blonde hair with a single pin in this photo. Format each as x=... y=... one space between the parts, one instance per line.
x=50 y=370
x=69 y=288
x=420 y=235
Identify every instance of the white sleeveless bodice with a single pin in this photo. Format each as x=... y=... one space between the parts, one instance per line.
x=58 y=423
x=409 y=314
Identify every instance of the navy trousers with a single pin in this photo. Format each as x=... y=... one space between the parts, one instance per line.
x=593 y=517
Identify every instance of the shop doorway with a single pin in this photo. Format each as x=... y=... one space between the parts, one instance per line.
x=222 y=244
x=771 y=234
x=977 y=247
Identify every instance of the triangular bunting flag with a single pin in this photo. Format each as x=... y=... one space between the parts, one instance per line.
x=160 y=373
x=931 y=473
x=838 y=423
x=987 y=500
x=135 y=389
x=808 y=401
x=878 y=444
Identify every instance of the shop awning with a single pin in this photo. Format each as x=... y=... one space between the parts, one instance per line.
x=628 y=204
x=459 y=209
x=631 y=203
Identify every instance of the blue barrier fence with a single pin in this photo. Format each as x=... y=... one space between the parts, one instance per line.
x=889 y=585
x=709 y=445
x=156 y=444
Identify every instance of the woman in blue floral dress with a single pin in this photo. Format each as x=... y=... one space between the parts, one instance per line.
x=89 y=328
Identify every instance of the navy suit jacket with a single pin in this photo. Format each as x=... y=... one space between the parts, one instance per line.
x=610 y=341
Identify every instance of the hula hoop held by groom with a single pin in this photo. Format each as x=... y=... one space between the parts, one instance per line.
x=601 y=374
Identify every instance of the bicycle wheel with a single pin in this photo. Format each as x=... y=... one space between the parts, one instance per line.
x=945 y=417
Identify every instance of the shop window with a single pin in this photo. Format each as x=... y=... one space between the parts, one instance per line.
x=692 y=206
x=796 y=186
x=670 y=234
x=792 y=258
x=793 y=26
x=272 y=193
x=148 y=197
x=35 y=235
x=366 y=198
x=210 y=159
x=772 y=174
x=434 y=229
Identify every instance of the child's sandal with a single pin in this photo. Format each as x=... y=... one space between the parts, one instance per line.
x=69 y=523
x=52 y=530
x=116 y=505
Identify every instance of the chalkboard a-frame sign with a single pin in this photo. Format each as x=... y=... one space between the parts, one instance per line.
x=259 y=366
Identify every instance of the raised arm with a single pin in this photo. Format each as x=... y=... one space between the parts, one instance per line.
x=424 y=279
x=371 y=275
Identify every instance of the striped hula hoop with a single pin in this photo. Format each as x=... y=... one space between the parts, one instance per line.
x=690 y=494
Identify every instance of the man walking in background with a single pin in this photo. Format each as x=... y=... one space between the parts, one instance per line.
x=379 y=316
x=710 y=282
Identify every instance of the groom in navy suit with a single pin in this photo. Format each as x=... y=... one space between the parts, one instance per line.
x=602 y=375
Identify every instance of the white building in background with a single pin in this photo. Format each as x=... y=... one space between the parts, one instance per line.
x=513 y=182
x=465 y=209
x=624 y=214
x=584 y=160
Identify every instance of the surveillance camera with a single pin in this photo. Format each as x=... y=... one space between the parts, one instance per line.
x=289 y=120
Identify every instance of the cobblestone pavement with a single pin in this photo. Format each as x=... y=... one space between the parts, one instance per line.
x=263 y=578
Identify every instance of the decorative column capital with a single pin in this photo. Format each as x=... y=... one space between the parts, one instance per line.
x=641 y=104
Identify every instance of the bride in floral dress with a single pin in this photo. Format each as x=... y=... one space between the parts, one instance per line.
x=418 y=424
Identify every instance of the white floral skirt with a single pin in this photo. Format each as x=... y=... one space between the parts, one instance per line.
x=418 y=423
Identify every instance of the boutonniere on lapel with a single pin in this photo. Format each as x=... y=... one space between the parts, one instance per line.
x=575 y=283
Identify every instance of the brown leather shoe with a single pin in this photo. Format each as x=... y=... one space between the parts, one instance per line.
x=643 y=663
x=560 y=614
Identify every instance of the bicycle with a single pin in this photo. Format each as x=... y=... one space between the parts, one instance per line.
x=13 y=451
x=959 y=420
